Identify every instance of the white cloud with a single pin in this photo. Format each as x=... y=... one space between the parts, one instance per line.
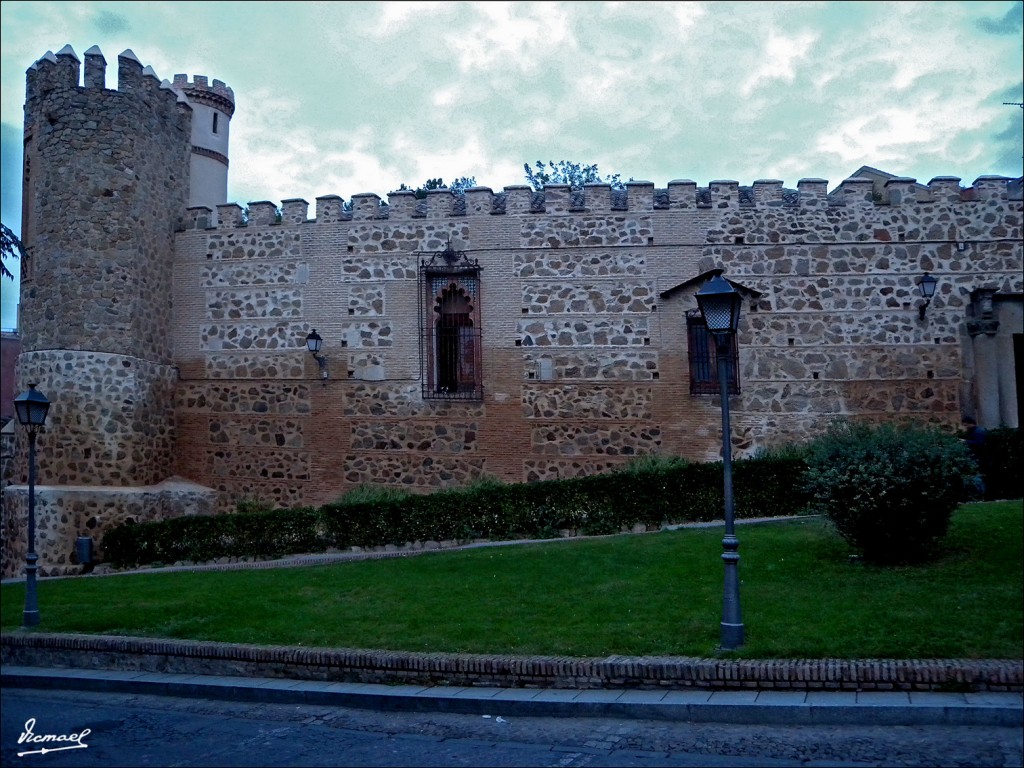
x=396 y=15
x=686 y=16
x=445 y=97
x=506 y=35
x=778 y=60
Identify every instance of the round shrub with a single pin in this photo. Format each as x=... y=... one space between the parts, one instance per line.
x=889 y=491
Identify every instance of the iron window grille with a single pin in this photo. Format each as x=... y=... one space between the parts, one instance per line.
x=450 y=339
x=704 y=358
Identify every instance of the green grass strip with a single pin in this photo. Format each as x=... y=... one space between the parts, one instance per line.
x=654 y=594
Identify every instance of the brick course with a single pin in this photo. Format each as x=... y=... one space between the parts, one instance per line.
x=487 y=670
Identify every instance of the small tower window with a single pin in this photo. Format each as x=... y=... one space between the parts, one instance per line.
x=215 y=116
x=703 y=356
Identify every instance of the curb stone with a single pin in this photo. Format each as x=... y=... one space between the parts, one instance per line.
x=723 y=707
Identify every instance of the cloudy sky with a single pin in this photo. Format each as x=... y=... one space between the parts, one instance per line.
x=349 y=97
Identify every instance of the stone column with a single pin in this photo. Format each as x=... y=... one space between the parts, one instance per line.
x=982 y=328
x=1009 y=314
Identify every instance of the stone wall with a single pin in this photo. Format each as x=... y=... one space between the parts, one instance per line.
x=184 y=354
x=110 y=422
x=583 y=297
x=65 y=512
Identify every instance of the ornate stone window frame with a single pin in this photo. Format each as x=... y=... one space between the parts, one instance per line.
x=451 y=351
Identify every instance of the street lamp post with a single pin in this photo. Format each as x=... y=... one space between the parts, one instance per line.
x=31 y=407
x=720 y=303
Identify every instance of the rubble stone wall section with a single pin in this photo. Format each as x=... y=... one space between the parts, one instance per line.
x=587 y=401
x=413 y=436
x=110 y=421
x=66 y=512
x=412 y=471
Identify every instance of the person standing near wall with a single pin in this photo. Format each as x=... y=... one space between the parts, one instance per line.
x=975 y=438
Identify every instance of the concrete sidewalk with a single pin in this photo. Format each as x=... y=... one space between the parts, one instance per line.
x=748 y=707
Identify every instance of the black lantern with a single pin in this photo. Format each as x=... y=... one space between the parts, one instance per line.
x=720 y=304
x=313 y=343
x=927 y=285
x=31 y=407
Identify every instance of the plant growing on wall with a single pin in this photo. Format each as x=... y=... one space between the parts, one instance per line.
x=568 y=172
x=457 y=187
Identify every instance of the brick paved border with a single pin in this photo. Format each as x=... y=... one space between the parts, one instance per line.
x=367 y=666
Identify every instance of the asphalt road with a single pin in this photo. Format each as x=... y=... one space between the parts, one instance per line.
x=134 y=730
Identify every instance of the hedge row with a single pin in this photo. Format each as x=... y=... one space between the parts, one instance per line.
x=664 y=494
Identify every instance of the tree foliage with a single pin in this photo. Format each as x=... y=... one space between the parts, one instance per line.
x=568 y=172
x=12 y=249
x=457 y=187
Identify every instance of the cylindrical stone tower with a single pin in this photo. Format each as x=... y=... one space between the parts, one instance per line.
x=105 y=188
x=212 y=108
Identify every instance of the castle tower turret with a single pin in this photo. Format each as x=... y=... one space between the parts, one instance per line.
x=212 y=108
x=105 y=188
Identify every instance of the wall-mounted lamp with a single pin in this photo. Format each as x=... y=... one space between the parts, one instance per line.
x=927 y=285
x=313 y=343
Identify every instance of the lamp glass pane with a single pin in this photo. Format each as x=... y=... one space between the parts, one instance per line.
x=927 y=285
x=37 y=413
x=718 y=314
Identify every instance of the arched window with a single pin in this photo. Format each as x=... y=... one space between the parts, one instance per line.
x=454 y=341
x=450 y=349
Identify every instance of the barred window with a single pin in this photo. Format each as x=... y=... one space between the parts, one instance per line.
x=450 y=348
x=704 y=359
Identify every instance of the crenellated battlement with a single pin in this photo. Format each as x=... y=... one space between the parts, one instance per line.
x=215 y=94
x=638 y=197
x=55 y=73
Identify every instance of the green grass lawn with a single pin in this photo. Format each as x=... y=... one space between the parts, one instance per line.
x=654 y=594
